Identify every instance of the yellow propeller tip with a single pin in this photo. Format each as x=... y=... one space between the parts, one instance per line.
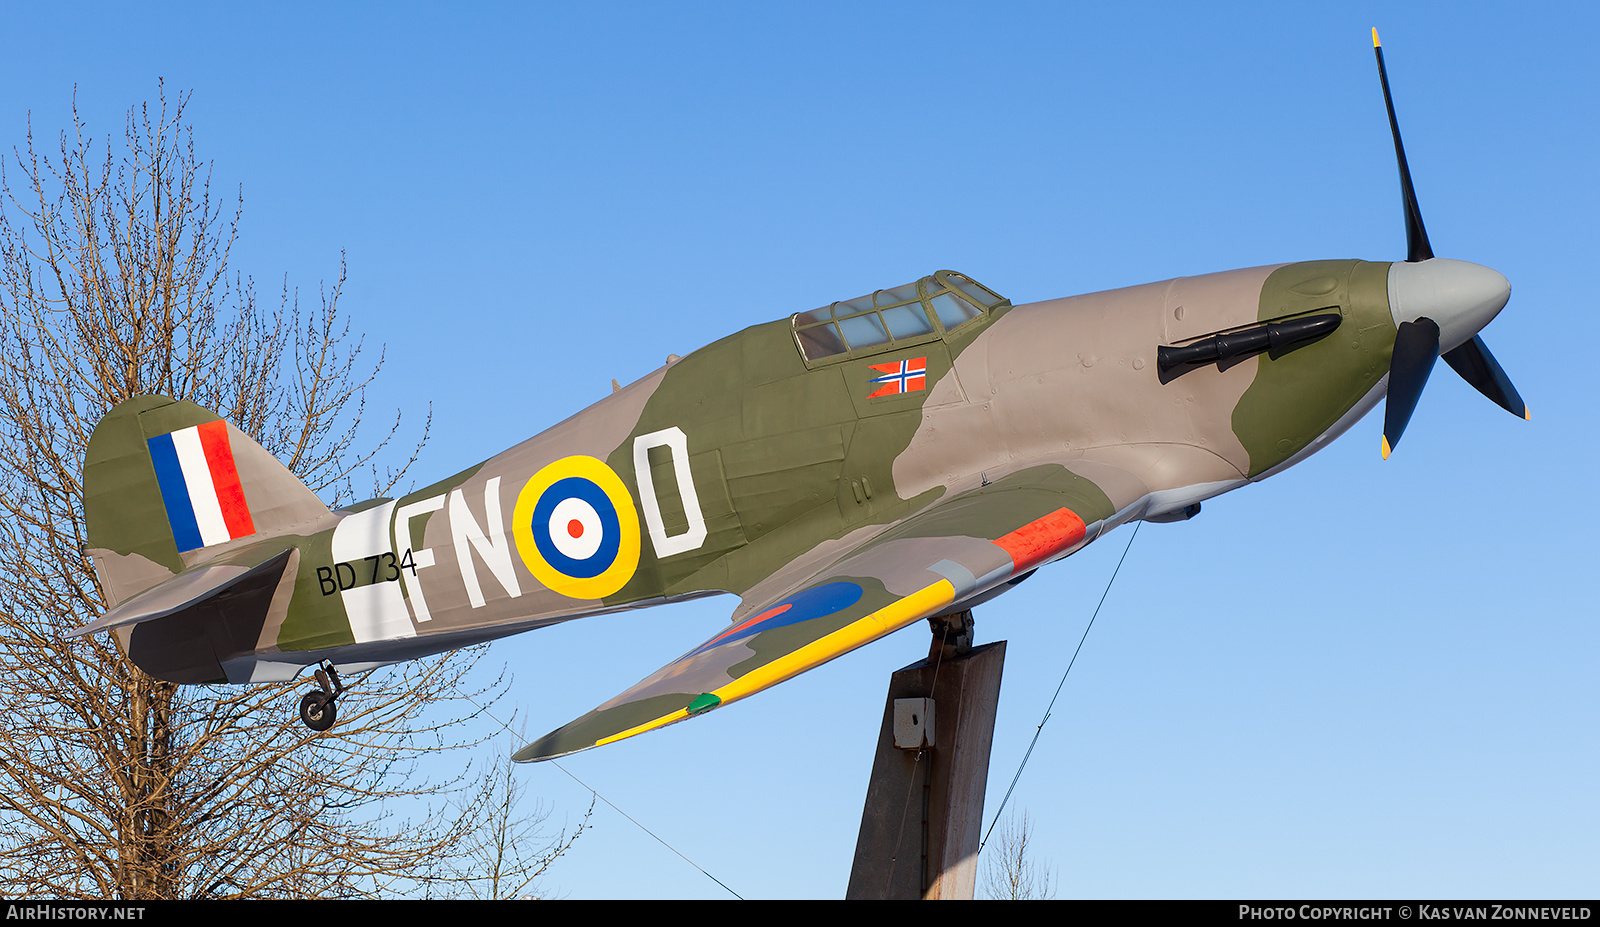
x=1375 y=42
x=1386 y=448
x=1527 y=414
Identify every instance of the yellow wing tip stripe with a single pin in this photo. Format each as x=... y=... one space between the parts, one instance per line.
x=662 y=721
x=886 y=620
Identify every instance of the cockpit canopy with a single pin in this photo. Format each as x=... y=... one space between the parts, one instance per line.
x=924 y=310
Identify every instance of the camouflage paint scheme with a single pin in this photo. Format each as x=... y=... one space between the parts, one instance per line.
x=747 y=468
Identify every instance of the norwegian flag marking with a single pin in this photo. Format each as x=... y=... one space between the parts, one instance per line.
x=905 y=376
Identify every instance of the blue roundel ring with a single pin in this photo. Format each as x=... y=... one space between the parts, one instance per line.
x=576 y=487
x=602 y=512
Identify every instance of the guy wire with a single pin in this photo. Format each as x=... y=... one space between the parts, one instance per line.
x=596 y=794
x=1032 y=743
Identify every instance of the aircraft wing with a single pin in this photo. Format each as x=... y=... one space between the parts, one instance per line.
x=951 y=552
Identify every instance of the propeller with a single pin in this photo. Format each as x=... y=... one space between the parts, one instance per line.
x=1434 y=300
x=1416 y=347
x=1477 y=366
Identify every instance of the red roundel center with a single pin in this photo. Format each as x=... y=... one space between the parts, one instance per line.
x=575 y=528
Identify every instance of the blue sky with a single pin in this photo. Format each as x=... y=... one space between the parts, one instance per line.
x=1360 y=678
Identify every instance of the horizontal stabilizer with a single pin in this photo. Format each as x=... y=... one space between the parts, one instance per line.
x=188 y=589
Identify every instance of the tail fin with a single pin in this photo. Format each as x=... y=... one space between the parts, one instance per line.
x=168 y=485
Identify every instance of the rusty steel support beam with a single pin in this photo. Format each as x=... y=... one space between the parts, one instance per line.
x=923 y=814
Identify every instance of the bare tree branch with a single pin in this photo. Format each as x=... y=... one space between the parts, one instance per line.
x=114 y=283
x=1010 y=871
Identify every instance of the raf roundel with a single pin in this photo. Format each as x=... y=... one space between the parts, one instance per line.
x=576 y=528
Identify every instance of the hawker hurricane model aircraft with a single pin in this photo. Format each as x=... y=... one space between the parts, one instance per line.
x=846 y=472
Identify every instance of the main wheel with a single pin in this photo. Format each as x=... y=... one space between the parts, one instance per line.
x=317 y=711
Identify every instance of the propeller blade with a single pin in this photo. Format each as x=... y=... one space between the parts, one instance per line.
x=1416 y=347
x=1477 y=366
x=1417 y=246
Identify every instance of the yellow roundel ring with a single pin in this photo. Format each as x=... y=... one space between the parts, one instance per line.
x=576 y=528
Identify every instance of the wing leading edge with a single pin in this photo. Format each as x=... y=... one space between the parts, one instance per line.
x=952 y=552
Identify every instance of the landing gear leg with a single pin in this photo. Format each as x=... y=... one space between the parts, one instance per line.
x=318 y=707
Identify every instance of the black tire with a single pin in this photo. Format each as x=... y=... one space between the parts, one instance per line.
x=317 y=711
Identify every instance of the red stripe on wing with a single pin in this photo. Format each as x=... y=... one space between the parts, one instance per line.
x=769 y=613
x=1042 y=538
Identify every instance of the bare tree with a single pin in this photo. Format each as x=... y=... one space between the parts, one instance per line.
x=1009 y=871
x=511 y=847
x=115 y=283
